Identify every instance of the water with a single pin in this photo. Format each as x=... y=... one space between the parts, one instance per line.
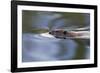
x=37 y=47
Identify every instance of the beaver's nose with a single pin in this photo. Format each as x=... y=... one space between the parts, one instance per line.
x=50 y=32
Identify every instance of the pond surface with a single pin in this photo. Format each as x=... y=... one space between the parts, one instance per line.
x=39 y=48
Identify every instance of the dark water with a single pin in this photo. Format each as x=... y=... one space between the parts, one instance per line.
x=39 y=48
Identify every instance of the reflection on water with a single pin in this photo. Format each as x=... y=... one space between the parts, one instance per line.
x=38 y=48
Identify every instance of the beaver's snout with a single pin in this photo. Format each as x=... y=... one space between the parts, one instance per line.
x=50 y=32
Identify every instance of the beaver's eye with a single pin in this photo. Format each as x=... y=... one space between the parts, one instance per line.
x=64 y=32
